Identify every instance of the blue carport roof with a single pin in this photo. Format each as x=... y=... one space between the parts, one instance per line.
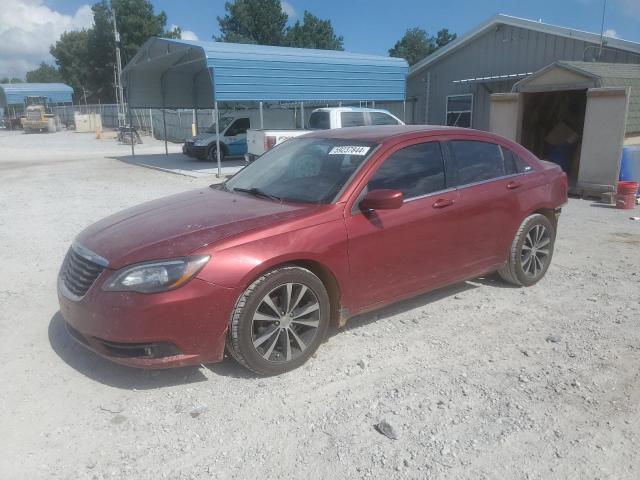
x=15 y=93
x=187 y=74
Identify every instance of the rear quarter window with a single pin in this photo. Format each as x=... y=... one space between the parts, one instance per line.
x=379 y=118
x=513 y=164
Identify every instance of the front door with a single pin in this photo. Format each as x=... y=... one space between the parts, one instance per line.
x=393 y=253
x=235 y=136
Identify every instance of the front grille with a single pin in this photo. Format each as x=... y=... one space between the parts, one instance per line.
x=79 y=273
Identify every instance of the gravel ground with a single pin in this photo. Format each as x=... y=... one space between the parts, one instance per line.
x=477 y=381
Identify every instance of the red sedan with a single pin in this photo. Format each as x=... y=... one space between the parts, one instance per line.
x=320 y=228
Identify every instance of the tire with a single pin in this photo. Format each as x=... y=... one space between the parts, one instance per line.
x=536 y=234
x=258 y=336
x=211 y=153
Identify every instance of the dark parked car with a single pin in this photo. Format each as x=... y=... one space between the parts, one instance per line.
x=320 y=228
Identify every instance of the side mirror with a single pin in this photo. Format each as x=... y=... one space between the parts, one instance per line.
x=382 y=200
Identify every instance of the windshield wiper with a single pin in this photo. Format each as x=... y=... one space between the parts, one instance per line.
x=257 y=192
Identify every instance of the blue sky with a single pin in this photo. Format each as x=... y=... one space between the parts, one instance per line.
x=29 y=27
x=373 y=26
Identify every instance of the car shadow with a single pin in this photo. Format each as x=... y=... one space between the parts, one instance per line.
x=106 y=372
x=403 y=306
x=603 y=205
x=112 y=374
x=181 y=164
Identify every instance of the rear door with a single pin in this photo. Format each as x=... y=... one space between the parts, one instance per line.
x=488 y=203
x=393 y=253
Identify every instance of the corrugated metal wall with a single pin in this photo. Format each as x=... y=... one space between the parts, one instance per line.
x=276 y=73
x=15 y=93
x=504 y=50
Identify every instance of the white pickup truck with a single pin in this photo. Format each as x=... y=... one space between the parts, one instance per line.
x=261 y=140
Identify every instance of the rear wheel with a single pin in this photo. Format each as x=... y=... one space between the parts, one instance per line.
x=531 y=252
x=279 y=321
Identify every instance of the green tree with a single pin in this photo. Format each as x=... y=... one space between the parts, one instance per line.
x=71 y=55
x=443 y=37
x=413 y=46
x=313 y=33
x=86 y=59
x=11 y=80
x=253 y=21
x=417 y=44
x=45 y=73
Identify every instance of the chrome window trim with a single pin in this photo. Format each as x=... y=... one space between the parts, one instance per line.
x=467 y=185
x=432 y=194
x=87 y=254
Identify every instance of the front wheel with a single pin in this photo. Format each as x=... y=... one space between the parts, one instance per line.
x=212 y=153
x=279 y=321
x=531 y=252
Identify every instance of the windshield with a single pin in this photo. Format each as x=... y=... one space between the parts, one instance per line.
x=224 y=123
x=311 y=170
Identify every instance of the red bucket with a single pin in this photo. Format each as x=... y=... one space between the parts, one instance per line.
x=628 y=188
x=626 y=201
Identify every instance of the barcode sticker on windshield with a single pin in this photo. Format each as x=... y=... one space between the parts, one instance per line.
x=349 y=150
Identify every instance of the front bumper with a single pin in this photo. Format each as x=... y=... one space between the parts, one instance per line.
x=192 y=150
x=199 y=152
x=186 y=326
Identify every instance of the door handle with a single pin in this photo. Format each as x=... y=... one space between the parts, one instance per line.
x=443 y=202
x=513 y=185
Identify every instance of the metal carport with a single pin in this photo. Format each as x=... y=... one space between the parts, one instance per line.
x=12 y=94
x=176 y=74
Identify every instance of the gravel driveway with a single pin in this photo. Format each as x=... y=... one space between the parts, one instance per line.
x=477 y=381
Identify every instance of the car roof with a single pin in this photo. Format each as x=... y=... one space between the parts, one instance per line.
x=350 y=109
x=384 y=133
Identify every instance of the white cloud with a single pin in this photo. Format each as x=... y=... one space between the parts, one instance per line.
x=28 y=28
x=186 y=34
x=611 y=33
x=189 y=35
x=288 y=9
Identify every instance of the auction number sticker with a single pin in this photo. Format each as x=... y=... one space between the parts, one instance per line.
x=349 y=150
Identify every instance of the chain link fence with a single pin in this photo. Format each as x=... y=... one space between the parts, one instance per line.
x=179 y=122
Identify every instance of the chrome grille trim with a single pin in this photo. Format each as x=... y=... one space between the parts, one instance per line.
x=79 y=271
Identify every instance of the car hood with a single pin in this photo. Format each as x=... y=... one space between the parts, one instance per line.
x=201 y=137
x=177 y=225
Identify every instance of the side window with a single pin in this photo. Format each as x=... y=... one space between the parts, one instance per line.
x=459 y=110
x=319 y=121
x=379 y=118
x=416 y=170
x=238 y=127
x=352 y=119
x=513 y=163
x=476 y=161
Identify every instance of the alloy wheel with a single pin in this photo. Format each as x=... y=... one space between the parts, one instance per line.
x=286 y=322
x=535 y=250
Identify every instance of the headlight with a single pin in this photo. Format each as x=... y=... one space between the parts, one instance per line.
x=156 y=276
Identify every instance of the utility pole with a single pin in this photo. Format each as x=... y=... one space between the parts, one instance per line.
x=120 y=92
x=604 y=9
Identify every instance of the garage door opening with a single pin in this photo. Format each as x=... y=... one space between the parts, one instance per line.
x=553 y=125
